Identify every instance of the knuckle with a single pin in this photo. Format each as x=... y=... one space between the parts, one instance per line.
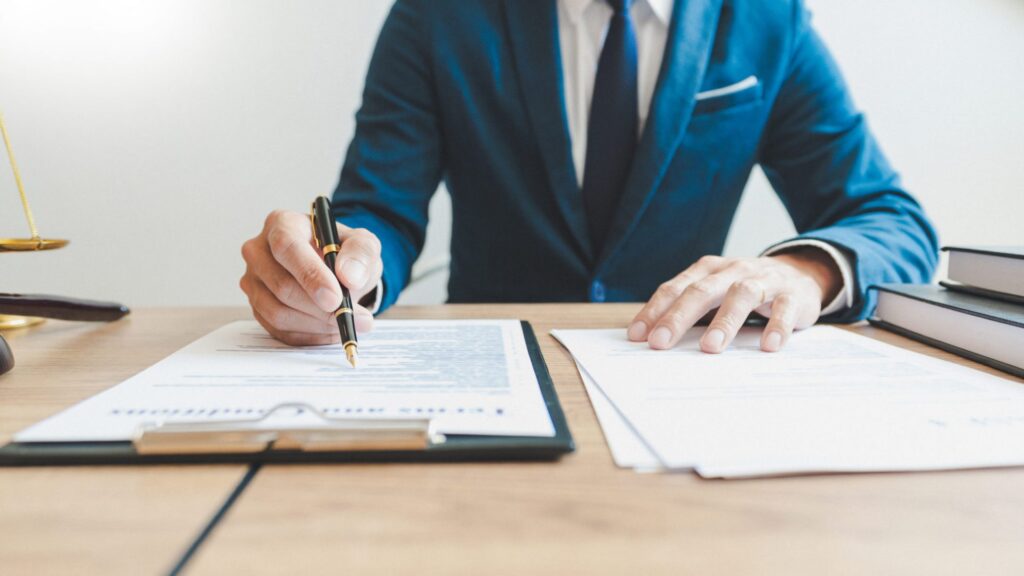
x=709 y=260
x=727 y=320
x=668 y=290
x=747 y=288
x=648 y=317
x=309 y=276
x=743 y=266
x=683 y=279
x=784 y=300
x=274 y=217
x=783 y=323
x=247 y=250
x=281 y=287
x=674 y=318
x=701 y=289
x=279 y=241
x=255 y=299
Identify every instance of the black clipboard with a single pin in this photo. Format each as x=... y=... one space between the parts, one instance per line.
x=409 y=443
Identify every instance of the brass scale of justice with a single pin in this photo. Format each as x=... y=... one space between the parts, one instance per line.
x=20 y=311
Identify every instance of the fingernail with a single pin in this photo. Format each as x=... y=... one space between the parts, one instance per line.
x=660 y=338
x=637 y=331
x=354 y=273
x=772 y=341
x=713 y=340
x=327 y=300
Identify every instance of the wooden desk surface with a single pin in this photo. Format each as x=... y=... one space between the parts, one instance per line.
x=585 y=516
x=579 y=516
x=99 y=520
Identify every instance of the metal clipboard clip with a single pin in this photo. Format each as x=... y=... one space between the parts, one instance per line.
x=325 y=434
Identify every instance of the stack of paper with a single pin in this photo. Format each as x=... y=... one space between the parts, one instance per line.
x=830 y=401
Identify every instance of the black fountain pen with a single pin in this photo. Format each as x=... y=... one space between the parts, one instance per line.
x=325 y=235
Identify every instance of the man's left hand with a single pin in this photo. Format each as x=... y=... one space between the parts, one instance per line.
x=788 y=288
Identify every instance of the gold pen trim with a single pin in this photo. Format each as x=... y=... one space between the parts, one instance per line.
x=351 y=353
x=342 y=310
x=312 y=223
x=330 y=248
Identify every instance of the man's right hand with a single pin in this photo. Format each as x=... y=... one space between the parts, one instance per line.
x=292 y=293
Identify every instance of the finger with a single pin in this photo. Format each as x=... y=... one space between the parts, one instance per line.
x=781 y=323
x=357 y=259
x=287 y=319
x=376 y=271
x=668 y=293
x=297 y=338
x=742 y=298
x=265 y=269
x=695 y=301
x=290 y=239
x=363 y=319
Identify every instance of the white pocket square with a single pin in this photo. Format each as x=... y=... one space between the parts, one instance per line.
x=748 y=82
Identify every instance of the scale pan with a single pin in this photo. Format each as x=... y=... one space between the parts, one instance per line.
x=30 y=244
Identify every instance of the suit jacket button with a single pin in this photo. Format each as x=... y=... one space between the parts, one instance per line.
x=597 y=292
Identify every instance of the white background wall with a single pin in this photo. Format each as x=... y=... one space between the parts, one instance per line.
x=157 y=135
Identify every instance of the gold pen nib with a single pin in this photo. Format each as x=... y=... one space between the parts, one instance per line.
x=352 y=353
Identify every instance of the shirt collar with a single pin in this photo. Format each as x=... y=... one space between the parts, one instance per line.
x=574 y=9
x=662 y=9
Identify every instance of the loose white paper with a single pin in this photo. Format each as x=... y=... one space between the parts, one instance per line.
x=468 y=376
x=628 y=449
x=829 y=401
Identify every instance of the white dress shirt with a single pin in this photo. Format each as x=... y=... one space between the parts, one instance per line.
x=582 y=25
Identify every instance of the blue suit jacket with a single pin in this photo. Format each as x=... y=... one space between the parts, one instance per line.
x=471 y=91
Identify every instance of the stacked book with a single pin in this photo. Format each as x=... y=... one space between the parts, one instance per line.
x=977 y=313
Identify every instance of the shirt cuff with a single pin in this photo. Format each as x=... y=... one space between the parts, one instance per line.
x=378 y=297
x=844 y=299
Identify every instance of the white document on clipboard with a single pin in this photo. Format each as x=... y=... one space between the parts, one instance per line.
x=466 y=376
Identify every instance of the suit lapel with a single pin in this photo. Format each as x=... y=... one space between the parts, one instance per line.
x=691 y=32
x=533 y=33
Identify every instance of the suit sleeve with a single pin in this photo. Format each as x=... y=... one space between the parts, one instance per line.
x=834 y=180
x=394 y=162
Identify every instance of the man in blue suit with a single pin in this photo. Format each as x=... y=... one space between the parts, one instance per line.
x=596 y=150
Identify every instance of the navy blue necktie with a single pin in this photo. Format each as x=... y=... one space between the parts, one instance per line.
x=612 y=131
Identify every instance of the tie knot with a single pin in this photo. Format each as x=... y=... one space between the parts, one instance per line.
x=621 y=7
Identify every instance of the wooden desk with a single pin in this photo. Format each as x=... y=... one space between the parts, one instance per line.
x=585 y=516
x=579 y=516
x=99 y=520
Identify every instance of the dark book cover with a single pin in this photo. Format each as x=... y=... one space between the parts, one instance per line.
x=968 y=289
x=963 y=302
x=1015 y=252
x=973 y=304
